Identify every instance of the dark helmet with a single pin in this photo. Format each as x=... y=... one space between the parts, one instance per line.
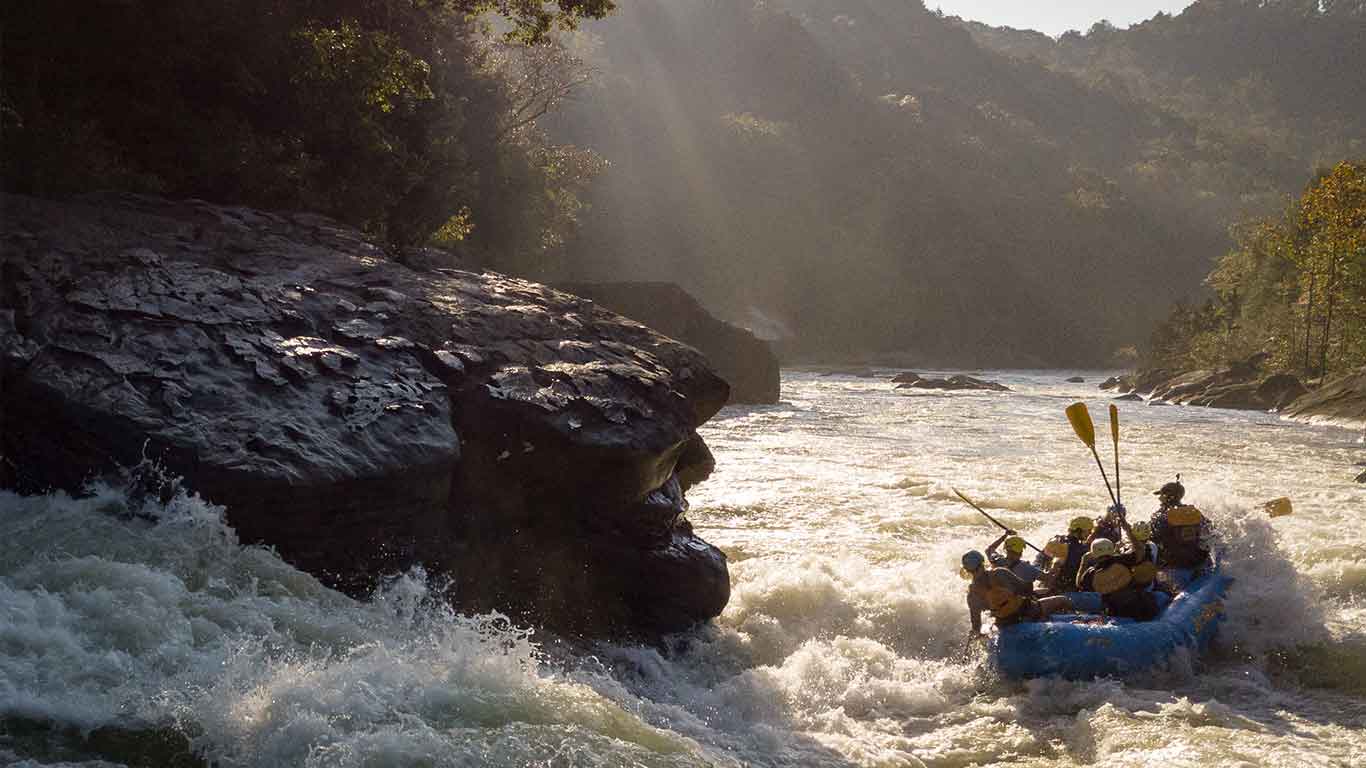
x=973 y=560
x=1174 y=492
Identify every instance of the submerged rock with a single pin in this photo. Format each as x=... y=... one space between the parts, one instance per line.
x=357 y=415
x=1076 y=380
x=1361 y=478
x=745 y=361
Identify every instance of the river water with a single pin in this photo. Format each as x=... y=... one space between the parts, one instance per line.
x=154 y=638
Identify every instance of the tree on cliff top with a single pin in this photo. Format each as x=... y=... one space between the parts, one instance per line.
x=381 y=113
x=1295 y=286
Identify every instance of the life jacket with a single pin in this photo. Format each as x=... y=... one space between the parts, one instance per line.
x=1107 y=576
x=1183 y=523
x=1145 y=567
x=1180 y=539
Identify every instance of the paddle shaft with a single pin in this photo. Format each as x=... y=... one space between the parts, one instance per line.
x=1118 y=498
x=1103 y=476
x=1114 y=434
x=992 y=519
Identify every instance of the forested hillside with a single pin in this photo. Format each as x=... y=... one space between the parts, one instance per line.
x=878 y=180
x=1284 y=76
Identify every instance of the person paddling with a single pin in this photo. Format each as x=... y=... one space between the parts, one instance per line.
x=1062 y=555
x=1015 y=547
x=1107 y=572
x=1179 y=529
x=1006 y=596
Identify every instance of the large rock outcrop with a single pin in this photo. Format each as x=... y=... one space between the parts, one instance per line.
x=745 y=361
x=358 y=415
x=1340 y=400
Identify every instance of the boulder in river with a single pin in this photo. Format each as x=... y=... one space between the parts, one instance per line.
x=1076 y=380
x=1361 y=478
x=957 y=382
x=745 y=361
x=360 y=416
x=1132 y=397
x=1118 y=383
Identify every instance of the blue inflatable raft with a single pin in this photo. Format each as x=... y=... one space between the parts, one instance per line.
x=1080 y=647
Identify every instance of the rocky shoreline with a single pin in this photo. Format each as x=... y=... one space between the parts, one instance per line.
x=358 y=415
x=1245 y=385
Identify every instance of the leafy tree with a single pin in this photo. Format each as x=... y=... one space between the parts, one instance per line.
x=383 y=113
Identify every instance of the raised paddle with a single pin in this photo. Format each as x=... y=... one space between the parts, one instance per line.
x=992 y=519
x=1114 y=433
x=1086 y=430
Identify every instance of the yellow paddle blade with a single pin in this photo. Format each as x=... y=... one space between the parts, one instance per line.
x=1114 y=423
x=1081 y=423
x=1278 y=507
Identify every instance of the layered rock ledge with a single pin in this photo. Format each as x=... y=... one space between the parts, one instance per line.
x=358 y=415
x=745 y=361
x=1340 y=400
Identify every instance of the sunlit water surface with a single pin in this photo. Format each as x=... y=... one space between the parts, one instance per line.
x=154 y=638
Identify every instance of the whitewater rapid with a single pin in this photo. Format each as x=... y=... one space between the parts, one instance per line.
x=143 y=633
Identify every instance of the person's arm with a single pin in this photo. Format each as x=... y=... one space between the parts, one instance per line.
x=991 y=548
x=975 y=613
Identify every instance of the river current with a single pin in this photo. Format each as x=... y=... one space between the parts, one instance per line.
x=142 y=633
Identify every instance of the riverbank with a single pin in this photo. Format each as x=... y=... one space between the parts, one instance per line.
x=1247 y=385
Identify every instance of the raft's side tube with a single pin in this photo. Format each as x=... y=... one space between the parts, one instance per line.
x=1118 y=646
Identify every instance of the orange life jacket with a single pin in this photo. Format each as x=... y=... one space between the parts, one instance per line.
x=1183 y=524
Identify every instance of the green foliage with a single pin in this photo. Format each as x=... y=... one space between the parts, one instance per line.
x=382 y=113
x=1295 y=286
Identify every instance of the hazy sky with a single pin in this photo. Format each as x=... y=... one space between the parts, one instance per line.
x=1057 y=16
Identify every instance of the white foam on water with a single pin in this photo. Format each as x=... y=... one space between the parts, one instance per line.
x=165 y=621
x=843 y=644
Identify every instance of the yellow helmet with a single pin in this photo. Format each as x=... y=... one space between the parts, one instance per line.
x=1142 y=531
x=1083 y=524
x=1056 y=549
x=1015 y=544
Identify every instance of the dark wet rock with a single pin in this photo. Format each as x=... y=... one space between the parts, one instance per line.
x=1076 y=380
x=745 y=361
x=1118 y=383
x=1146 y=382
x=1131 y=397
x=1341 y=399
x=958 y=382
x=1361 y=478
x=358 y=415
x=906 y=377
x=1241 y=386
x=1280 y=390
